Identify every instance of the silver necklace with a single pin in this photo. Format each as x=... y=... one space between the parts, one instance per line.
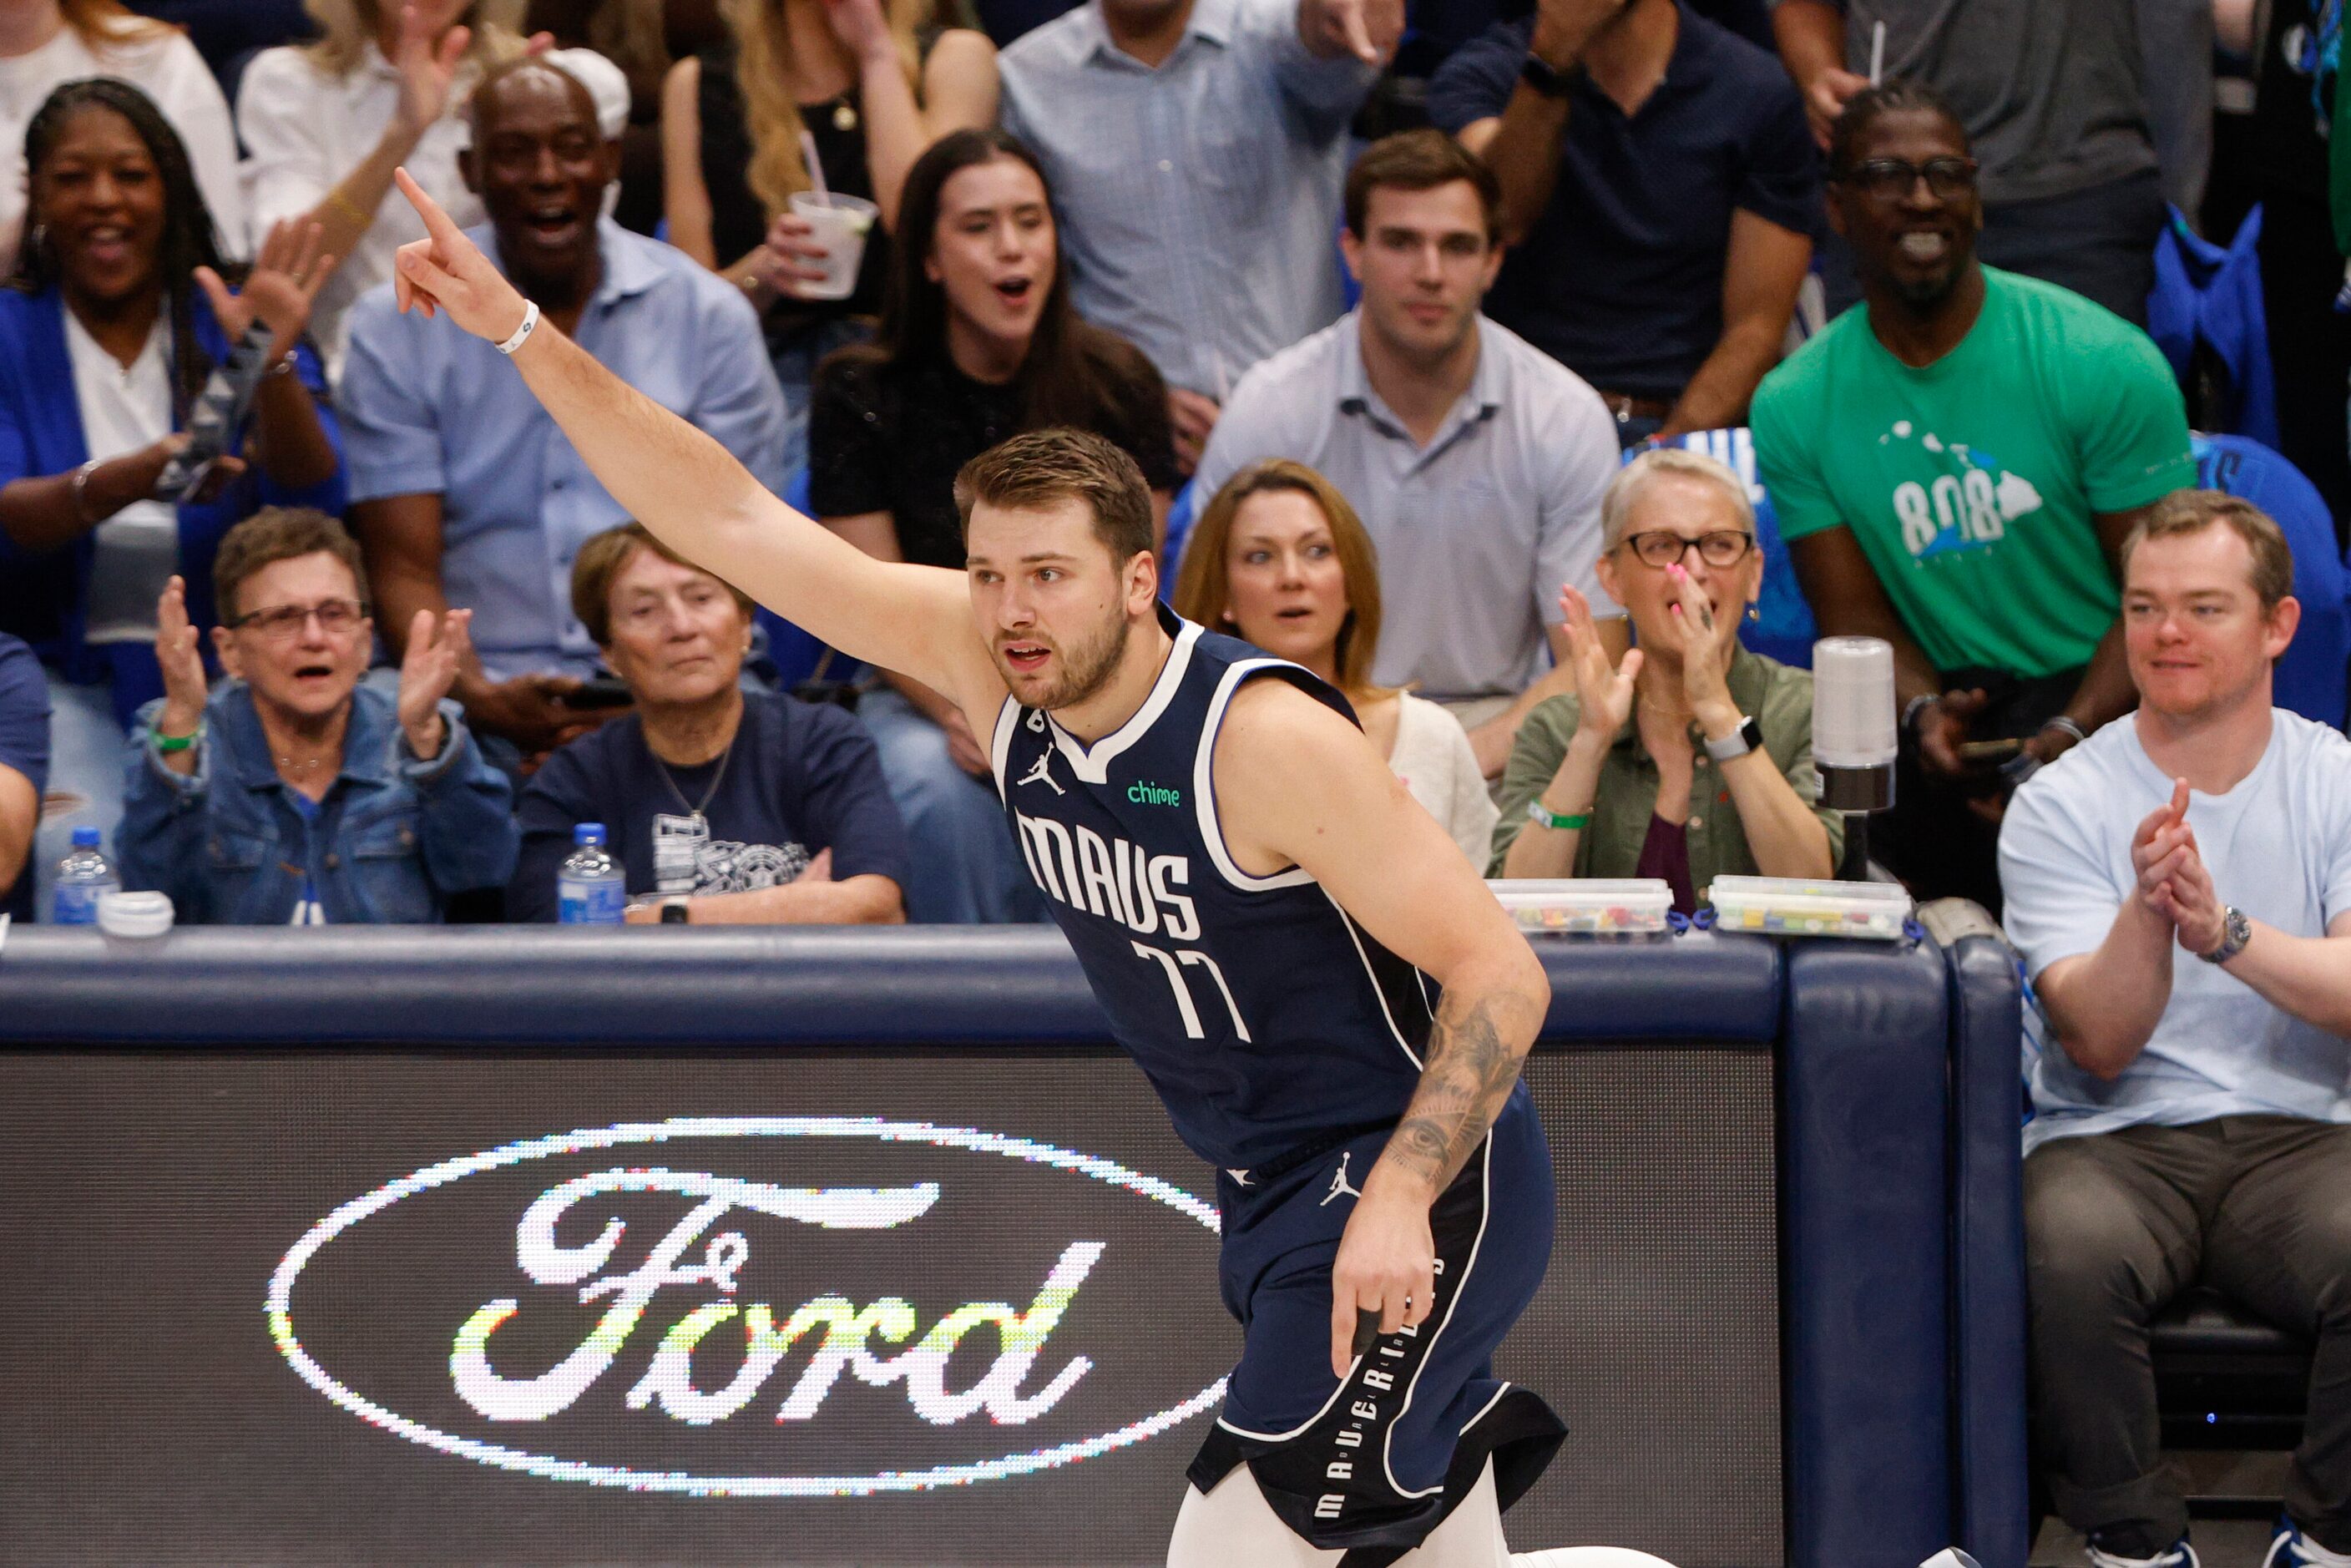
x=695 y=808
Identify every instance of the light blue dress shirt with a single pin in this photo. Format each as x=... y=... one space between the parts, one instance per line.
x=429 y=409
x=1196 y=201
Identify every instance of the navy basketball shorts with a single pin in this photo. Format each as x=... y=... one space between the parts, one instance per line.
x=1372 y=1464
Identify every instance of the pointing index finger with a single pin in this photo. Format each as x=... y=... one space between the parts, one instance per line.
x=437 y=223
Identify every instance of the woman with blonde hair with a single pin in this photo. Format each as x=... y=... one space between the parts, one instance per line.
x=385 y=85
x=870 y=84
x=1692 y=756
x=1280 y=559
x=44 y=44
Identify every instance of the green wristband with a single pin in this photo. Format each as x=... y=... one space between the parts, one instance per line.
x=1538 y=812
x=171 y=743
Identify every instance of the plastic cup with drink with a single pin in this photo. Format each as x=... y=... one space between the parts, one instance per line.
x=840 y=224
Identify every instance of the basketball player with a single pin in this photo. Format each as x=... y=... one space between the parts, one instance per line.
x=1260 y=908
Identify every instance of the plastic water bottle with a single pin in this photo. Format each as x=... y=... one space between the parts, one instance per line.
x=590 y=889
x=82 y=876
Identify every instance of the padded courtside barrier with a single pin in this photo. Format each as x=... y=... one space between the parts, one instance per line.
x=1901 y=1415
x=1992 y=1505
x=1863 y=1201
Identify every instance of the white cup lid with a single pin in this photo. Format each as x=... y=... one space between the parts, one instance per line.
x=134 y=913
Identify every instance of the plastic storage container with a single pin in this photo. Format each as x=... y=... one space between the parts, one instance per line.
x=1789 y=906
x=1588 y=907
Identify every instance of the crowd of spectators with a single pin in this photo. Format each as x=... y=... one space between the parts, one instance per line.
x=1397 y=367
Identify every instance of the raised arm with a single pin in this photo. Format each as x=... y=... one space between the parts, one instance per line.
x=1390 y=866
x=690 y=492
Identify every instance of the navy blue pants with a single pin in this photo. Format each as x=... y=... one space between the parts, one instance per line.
x=1372 y=1463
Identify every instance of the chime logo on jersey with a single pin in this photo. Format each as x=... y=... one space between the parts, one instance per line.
x=1113 y=878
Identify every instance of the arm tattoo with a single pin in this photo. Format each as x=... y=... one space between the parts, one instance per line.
x=1469 y=1070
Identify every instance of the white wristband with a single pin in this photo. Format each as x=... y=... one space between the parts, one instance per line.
x=522 y=333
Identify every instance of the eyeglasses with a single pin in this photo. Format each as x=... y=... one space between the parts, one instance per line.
x=1663 y=546
x=283 y=622
x=1890 y=179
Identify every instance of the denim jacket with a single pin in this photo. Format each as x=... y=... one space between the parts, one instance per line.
x=394 y=836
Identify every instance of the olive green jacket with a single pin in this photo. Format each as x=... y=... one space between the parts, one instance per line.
x=1780 y=698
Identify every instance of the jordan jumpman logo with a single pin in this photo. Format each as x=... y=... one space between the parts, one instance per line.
x=1041 y=773
x=1339 y=1182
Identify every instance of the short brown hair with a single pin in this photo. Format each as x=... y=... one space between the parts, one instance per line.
x=1043 y=466
x=274 y=534
x=1421 y=161
x=2192 y=511
x=600 y=560
x=1204 y=588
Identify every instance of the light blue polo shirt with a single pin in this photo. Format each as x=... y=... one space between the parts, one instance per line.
x=1477 y=531
x=2278 y=847
x=427 y=408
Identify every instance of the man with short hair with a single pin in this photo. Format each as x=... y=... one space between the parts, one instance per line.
x=1954 y=466
x=1329 y=1002
x=2052 y=93
x=1476 y=461
x=1660 y=191
x=462 y=490
x=2180 y=886
x=1194 y=148
x=723 y=806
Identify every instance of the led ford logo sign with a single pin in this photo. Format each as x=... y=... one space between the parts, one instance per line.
x=695 y=1314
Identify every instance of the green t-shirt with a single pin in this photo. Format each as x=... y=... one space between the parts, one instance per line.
x=1971 y=484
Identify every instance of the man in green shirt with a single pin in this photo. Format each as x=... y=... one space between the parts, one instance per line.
x=1955 y=464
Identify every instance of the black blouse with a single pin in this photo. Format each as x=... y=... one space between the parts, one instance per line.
x=892 y=438
x=737 y=220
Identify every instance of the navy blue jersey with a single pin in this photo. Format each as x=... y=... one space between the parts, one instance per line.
x=1266 y=1017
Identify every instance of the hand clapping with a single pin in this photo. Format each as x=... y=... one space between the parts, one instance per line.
x=1604 y=693
x=184 y=686
x=2173 y=881
x=435 y=652
x=279 y=290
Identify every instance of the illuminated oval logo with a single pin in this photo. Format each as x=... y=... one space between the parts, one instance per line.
x=695 y=1314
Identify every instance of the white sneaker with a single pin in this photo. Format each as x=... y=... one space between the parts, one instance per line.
x=2290 y=1548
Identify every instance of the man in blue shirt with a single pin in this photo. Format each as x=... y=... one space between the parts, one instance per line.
x=2180 y=886
x=465 y=493
x=1194 y=150
x=1659 y=195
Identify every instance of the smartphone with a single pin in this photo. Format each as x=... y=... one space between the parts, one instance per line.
x=604 y=691
x=1991 y=750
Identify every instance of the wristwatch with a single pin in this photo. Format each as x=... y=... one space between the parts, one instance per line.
x=675 y=911
x=2235 y=932
x=1747 y=737
x=1548 y=80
